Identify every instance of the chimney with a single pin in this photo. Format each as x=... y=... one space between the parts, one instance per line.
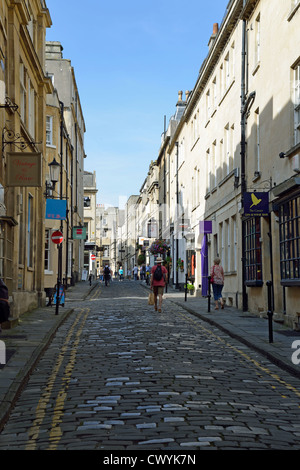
x=180 y=95
x=215 y=28
x=214 y=35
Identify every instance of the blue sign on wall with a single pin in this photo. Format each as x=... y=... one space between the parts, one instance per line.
x=256 y=204
x=56 y=209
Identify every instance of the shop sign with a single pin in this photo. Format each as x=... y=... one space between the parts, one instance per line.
x=256 y=204
x=24 y=169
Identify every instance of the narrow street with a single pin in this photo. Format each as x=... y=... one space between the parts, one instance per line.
x=120 y=376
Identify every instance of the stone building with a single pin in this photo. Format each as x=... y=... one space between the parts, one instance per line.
x=90 y=205
x=23 y=90
x=68 y=131
x=220 y=158
x=229 y=166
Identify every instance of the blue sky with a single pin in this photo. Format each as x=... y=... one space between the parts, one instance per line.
x=130 y=59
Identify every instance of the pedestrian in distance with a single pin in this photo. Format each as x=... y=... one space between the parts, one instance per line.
x=106 y=275
x=159 y=277
x=135 y=272
x=120 y=273
x=217 y=281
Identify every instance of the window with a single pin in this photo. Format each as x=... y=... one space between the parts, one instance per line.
x=222 y=240
x=208 y=171
x=208 y=105
x=213 y=166
x=22 y=92
x=30 y=232
x=235 y=243
x=228 y=250
x=31 y=111
x=227 y=71
x=257 y=40
x=257 y=144
x=253 y=252
x=215 y=93
x=296 y=100
x=227 y=149
x=289 y=232
x=49 y=130
x=47 y=250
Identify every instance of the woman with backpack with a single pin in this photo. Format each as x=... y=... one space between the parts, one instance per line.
x=159 y=277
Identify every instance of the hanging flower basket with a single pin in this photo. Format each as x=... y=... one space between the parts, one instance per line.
x=159 y=247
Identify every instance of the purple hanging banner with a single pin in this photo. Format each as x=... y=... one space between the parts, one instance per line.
x=205 y=226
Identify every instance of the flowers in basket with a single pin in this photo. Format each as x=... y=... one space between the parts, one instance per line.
x=159 y=247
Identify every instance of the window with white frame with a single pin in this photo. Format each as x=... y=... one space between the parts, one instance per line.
x=296 y=103
x=49 y=130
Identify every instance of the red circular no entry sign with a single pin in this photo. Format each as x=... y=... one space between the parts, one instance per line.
x=57 y=237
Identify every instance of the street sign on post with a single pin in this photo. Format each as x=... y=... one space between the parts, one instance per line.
x=57 y=237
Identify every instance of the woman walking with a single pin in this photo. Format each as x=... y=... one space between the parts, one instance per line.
x=217 y=280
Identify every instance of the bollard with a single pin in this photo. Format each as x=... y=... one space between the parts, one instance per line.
x=209 y=278
x=270 y=311
x=186 y=289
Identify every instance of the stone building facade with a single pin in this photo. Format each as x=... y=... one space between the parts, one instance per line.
x=24 y=88
x=229 y=166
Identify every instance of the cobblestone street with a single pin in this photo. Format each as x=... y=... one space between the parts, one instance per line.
x=120 y=376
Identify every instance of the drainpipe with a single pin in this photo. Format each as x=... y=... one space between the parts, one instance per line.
x=246 y=103
x=177 y=211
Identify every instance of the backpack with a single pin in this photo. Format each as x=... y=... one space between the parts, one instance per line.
x=106 y=270
x=3 y=290
x=158 y=273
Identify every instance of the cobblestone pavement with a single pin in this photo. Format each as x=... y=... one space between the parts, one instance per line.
x=120 y=376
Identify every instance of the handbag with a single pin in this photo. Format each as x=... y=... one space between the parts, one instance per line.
x=151 y=299
x=212 y=276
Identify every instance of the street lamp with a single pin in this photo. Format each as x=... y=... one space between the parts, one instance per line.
x=54 y=168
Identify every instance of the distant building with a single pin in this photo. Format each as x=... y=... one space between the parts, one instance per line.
x=63 y=79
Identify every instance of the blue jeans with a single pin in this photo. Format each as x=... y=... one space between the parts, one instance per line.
x=217 y=290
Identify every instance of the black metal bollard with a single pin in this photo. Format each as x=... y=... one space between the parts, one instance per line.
x=209 y=278
x=186 y=289
x=270 y=311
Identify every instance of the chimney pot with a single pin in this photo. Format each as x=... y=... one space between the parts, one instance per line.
x=215 y=28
